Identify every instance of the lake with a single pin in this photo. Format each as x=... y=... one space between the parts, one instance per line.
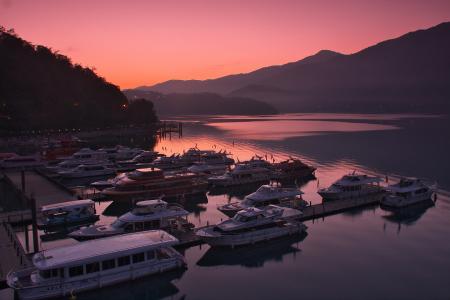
x=366 y=253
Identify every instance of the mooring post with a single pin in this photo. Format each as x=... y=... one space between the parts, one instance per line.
x=22 y=179
x=34 y=224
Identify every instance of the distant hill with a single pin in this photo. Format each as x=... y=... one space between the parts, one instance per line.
x=406 y=74
x=200 y=103
x=42 y=89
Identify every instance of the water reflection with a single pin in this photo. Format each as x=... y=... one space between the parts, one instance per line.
x=409 y=215
x=153 y=287
x=253 y=256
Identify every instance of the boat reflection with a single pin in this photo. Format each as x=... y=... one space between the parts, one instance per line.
x=254 y=256
x=409 y=215
x=149 y=288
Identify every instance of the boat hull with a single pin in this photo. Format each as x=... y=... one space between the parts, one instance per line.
x=399 y=202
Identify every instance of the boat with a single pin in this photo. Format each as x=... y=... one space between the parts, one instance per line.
x=67 y=213
x=22 y=162
x=408 y=191
x=88 y=155
x=68 y=270
x=266 y=195
x=252 y=225
x=292 y=168
x=142 y=160
x=258 y=161
x=102 y=184
x=92 y=170
x=205 y=168
x=241 y=174
x=214 y=158
x=352 y=185
x=172 y=162
x=147 y=215
x=153 y=183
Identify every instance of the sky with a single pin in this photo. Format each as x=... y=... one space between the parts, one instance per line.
x=143 y=42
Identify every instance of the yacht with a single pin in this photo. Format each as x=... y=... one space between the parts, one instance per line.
x=142 y=160
x=266 y=195
x=193 y=154
x=292 y=168
x=215 y=158
x=67 y=213
x=172 y=162
x=252 y=225
x=88 y=155
x=407 y=192
x=23 y=162
x=147 y=215
x=352 y=186
x=152 y=182
x=258 y=161
x=88 y=171
x=68 y=270
x=205 y=168
x=241 y=174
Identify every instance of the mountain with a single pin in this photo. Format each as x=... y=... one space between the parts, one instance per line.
x=200 y=103
x=42 y=89
x=227 y=84
x=410 y=73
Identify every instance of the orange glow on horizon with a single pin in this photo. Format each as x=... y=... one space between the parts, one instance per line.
x=133 y=43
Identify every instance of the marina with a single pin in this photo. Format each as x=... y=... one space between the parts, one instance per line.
x=48 y=190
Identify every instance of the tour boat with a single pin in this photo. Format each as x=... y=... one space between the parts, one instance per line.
x=252 y=225
x=153 y=183
x=266 y=195
x=68 y=270
x=23 y=162
x=292 y=168
x=407 y=192
x=88 y=171
x=241 y=174
x=352 y=186
x=67 y=213
x=147 y=215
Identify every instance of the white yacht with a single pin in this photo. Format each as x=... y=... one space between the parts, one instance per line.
x=253 y=225
x=18 y=161
x=266 y=195
x=241 y=174
x=88 y=155
x=169 y=163
x=407 y=192
x=352 y=186
x=67 y=213
x=69 y=270
x=88 y=171
x=147 y=215
x=258 y=161
x=215 y=158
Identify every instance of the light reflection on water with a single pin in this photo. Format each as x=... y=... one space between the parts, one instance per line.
x=366 y=253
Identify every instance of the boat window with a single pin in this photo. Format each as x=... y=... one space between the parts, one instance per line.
x=139 y=226
x=108 y=264
x=150 y=255
x=92 y=268
x=76 y=271
x=148 y=225
x=138 y=257
x=129 y=228
x=123 y=261
x=48 y=273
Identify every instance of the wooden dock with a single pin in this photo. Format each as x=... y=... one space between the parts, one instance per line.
x=337 y=206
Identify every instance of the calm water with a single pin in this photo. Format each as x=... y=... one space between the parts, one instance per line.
x=363 y=254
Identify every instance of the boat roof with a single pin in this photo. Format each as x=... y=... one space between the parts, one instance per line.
x=67 y=204
x=100 y=249
x=357 y=179
x=275 y=189
x=150 y=202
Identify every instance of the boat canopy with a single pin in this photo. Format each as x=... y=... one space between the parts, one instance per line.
x=102 y=249
x=67 y=205
x=406 y=185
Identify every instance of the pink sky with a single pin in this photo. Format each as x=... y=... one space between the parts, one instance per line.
x=133 y=42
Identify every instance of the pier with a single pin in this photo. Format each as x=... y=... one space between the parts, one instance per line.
x=327 y=208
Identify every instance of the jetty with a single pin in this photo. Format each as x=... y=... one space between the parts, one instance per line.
x=327 y=208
